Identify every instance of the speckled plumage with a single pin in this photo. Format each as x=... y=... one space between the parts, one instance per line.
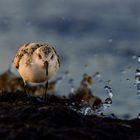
x=30 y=62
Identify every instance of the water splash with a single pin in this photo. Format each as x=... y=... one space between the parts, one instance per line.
x=107 y=103
x=108 y=89
x=137 y=81
x=87 y=109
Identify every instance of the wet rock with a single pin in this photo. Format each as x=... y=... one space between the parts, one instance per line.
x=23 y=118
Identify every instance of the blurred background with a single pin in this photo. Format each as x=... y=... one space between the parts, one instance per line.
x=90 y=36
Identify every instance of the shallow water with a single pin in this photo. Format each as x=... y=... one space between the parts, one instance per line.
x=103 y=35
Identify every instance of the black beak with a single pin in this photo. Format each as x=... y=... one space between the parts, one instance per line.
x=46 y=64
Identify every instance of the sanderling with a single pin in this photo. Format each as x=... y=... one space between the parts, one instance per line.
x=36 y=63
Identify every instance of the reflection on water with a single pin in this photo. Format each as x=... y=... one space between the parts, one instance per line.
x=100 y=38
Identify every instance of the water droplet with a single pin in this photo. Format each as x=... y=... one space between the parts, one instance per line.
x=86 y=110
x=109 y=91
x=137 y=80
x=138 y=116
x=127 y=79
x=138 y=58
x=108 y=101
x=97 y=74
x=105 y=106
x=71 y=83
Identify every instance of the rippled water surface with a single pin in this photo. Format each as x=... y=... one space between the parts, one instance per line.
x=91 y=36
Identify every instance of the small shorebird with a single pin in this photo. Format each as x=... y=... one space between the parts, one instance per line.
x=36 y=63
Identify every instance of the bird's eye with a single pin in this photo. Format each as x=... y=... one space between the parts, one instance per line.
x=39 y=56
x=52 y=56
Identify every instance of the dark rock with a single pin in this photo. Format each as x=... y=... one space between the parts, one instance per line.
x=23 y=117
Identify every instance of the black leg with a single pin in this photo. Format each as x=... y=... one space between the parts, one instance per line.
x=46 y=64
x=46 y=89
x=26 y=88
